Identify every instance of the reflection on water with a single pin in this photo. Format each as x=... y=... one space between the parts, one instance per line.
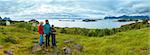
x=100 y=24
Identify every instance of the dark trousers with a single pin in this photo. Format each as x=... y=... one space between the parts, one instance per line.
x=53 y=40
x=47 y=40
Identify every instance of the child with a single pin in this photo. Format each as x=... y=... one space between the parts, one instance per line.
x=41 y=32
x=53 y=36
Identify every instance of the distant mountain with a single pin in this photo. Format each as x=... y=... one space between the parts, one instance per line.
x=1 y=18
x=127 y=17
x=6 y=18
x=111 y=17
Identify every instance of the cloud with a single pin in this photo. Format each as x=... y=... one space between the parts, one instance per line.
x=132 y=7
x=91 y=8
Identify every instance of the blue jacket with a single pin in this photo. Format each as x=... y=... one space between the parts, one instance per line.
x=47 y=29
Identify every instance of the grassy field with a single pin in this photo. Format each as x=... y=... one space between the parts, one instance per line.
x=15 y=39
x=132 y=42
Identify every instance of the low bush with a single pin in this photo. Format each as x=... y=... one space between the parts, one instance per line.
x=103 y=32
x=2 y=23
x=27 y=26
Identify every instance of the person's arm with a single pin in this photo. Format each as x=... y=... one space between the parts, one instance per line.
x=54 y=30
x=44 y=28
x=50 y=28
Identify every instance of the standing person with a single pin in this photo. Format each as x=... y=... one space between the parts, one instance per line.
x=41 y=32
x=47 y=31
x=53 y=36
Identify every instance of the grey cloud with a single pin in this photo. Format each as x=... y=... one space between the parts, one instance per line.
x=91 y=7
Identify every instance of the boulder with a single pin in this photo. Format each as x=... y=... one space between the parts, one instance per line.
x=68 y=41
x=7 y=52
x=66 y=50
x=78 y=47
x=1 y=47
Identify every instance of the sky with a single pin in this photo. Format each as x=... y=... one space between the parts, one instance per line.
x=73 y=8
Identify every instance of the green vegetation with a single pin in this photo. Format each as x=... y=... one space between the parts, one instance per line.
x=27 y=26
x=17 y=39
x=104 y=32
x=126 y=40
x=133 y=42
x=2 y=22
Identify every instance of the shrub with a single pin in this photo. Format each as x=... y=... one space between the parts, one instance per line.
x=3 y=23
x=103 y=32
x=27 y=26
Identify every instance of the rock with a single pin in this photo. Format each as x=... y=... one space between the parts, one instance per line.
x=54 y=51
x=35 y=48
x=67 y=50
x=1 y=47
x=68 y=41
x=8 y=52
x=78 y=47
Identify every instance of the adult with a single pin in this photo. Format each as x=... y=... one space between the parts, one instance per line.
x=47 y=31
x=41 y=32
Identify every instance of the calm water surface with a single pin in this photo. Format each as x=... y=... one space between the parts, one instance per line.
x=100 y=24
